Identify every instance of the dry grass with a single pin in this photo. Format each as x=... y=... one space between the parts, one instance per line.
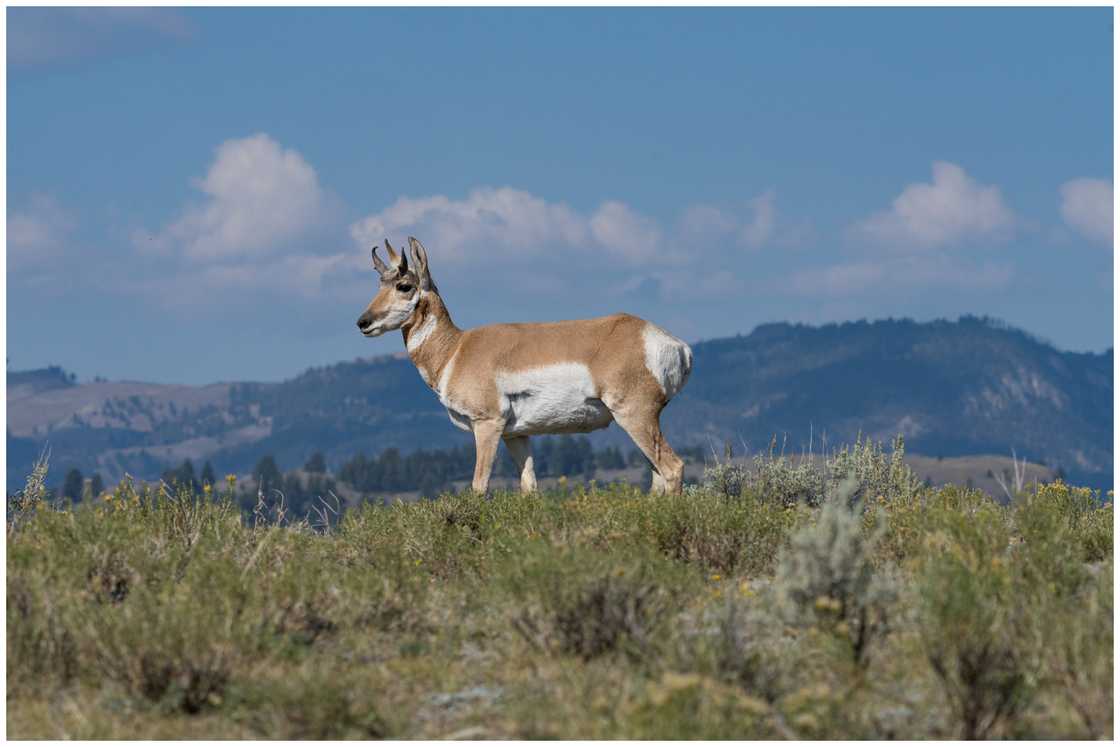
x=600 y=613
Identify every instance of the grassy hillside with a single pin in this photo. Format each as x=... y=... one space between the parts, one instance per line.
x=840 y=602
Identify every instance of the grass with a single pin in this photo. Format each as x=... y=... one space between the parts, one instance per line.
x=877 y=608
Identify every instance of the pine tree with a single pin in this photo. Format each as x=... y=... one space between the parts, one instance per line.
x=207 y=476
x=186 y=474
x=96 y=484
x=182 y=475
x=267 y=474
x=610 y=458
x=317 y=463
x=72 y=485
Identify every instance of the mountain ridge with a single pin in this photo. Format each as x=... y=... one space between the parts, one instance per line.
x=951 y=388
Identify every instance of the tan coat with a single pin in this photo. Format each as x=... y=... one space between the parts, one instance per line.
x=510 y=381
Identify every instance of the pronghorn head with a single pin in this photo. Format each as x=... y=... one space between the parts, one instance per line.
x=402 y=285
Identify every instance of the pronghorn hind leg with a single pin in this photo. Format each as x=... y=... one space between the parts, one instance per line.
x=487 y=434
x=521 y=451
x=645 y=430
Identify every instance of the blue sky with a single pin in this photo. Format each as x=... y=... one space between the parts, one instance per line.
x=192 y=194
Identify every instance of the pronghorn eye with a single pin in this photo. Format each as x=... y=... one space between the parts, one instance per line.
x=404 y=287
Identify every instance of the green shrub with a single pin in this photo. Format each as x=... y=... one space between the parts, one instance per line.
x=309 y=703
x=875 y=474
x=751 y=650
x=1078 y=655
x=724 y=478
x=174 y=644
x=912 y=523
x=587 y=604
x=826 y=577
x=691 y=706
x=729 y=536
x=24 y=503
x=786 y=482
x=972 y=625
x=41 y=650
x=1058 y=514
x=789 y=481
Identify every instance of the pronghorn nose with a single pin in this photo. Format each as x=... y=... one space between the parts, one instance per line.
x=365 y=320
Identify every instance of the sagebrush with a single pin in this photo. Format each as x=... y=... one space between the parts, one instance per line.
x=857 y=605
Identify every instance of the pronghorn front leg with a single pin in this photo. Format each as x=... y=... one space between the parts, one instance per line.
x=522 y=453
x=487 y=434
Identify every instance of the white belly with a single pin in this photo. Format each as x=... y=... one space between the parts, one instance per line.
x=559 y=398
x=459 y=419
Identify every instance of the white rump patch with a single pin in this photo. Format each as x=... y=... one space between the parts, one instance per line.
x=558 y=398
x=667 y=358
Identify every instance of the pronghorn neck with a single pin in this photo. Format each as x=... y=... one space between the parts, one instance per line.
x=430 y=337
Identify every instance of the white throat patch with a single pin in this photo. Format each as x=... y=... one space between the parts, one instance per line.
x=419 y=336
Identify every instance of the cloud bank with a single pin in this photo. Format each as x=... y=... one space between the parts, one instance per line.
x=37 y=231
x=752 y=230
x=258 y=195
x=260 y=200
x=511 y=222
x=38 y=36
x=1087 y=208
x=951 y=209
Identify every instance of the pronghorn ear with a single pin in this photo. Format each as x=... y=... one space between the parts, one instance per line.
x=420 y=259
x=378 y=265
x=399 y=261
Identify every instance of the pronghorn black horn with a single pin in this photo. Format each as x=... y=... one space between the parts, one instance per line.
x=400 y=261
x=378 y=265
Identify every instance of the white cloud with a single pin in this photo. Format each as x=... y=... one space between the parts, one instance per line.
x=753 y=230
x=1087 y=208
x=756 y=231
x=707 y=221
x=37 y=231
x=619 y=229
x=510 y=222
x=50 y=35
x=949 y=210
x=489 y=219
x=259 y=195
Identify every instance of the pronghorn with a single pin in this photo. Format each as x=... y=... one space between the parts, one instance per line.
x=507 y=382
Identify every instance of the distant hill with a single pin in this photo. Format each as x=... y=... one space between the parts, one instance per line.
x=952 y=388
x=25 y=383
